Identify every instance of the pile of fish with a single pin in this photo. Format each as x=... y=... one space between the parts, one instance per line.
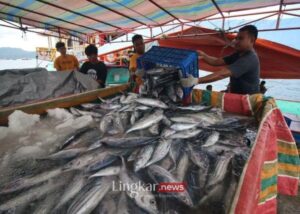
x=134 y=145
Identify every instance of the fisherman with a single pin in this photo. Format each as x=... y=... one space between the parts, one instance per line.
x=139 y=50
x=209 y=87
x=65 y=62
x=93 y=67
x=242 y=67
x=262 y=87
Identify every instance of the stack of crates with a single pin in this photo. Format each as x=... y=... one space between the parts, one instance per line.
x=186 y=61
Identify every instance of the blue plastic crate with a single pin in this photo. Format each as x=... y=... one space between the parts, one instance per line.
x=185 y=60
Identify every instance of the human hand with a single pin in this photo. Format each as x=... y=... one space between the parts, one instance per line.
x=201 y=54
x=189 y=81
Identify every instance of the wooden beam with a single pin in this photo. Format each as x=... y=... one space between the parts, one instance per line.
x=61 y=102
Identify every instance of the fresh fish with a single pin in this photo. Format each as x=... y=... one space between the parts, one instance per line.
x=31 y=195
x=151 y=102
x=109 y=106
x=129 y=99
x=175 y=151
x=198 y=157
x=143 y=108
x=220 y=171
x=74 y=136
x=105 y=123
x=212 y=139
x=89 y=105
x=195 y=108
x=133 y=155
x=85 y=203
x=124 y=116
x=185 y=119
x=29 y=181
x=182 y=126
x=167 y=132
x=147 y=121
x=86 y=159
x=128 y=142
x=229 y=196
x=117 y=123
x=182 y=167
x=161 y=150
x=159 y=174
x=142 y=197
x=154 y=129
x=214 y=195
x=122 y=207
x=108 y=171
x=108 y=205
x=185 y=134
x=166 y=121
x=166 y=163
x=203 y=175
x=71 y=190
x=171 y=93
x=46 y=205
x=143 y=157
x=65 y=154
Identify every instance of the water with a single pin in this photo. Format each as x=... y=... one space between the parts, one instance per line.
x=280 y=89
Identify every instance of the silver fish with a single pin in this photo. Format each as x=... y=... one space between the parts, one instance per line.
x=185 y=119
x=159 y=174
x=182 y=126
x=220 y=171
x=133 y=155
x=88 y=201
x=182 y=168
x=167 y=132
x=105 y=123
x=142 y=108
x=31 y=195
x=142 y=197
x=47 y=204
x=117 y=123
x=171 y=93
x=108 y=205
x=108 y=106
x=175 y=151
x=71 y=190
x=215 y=194
x=185 y=134
x=212 y=139
x=198 y=157
x=65 y=154
x=161 y=150
x=109 y=171
x=143 y=157
x=74 y=111
x=23 y=183
x=84 y=160
x=129 y=99
x=166 y=121
x=194 y=108
x=152 y=102
x=89 y=105
x=128 y=142
x=154 y=129
x=147 y=121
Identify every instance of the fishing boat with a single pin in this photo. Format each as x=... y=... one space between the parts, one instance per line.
x=176 y=25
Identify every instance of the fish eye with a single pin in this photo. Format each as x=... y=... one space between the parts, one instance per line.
x=152 y=202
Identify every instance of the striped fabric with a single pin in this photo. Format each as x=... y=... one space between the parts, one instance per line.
x=90 y=16
x=273 y=166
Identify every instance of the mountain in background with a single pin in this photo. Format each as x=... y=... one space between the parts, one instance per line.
x=16 y=53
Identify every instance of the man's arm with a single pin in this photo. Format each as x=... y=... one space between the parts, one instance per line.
x=222 y=74
x=214 y=61
x=191 y=81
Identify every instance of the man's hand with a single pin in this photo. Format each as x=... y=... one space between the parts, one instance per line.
x=189 y=81
x=201 y=54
